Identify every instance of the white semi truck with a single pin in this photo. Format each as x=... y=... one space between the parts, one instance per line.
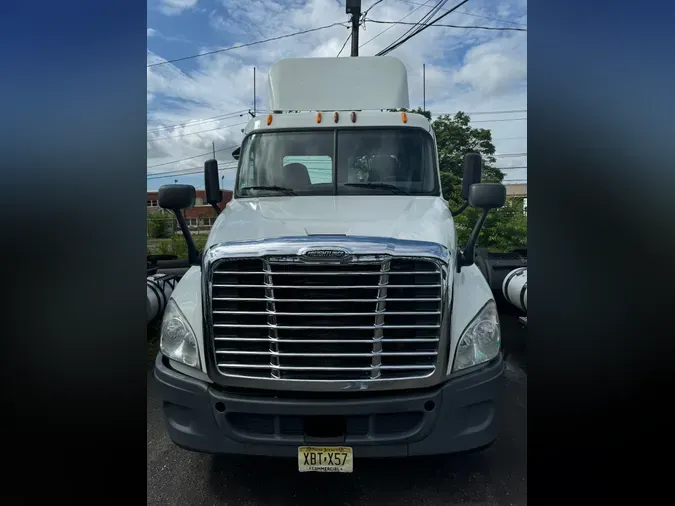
x=332 y=315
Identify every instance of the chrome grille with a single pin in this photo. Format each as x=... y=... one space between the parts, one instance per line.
x=282 y=318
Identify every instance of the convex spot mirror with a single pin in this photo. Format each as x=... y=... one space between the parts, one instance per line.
x=487 y=195
x=177 y=196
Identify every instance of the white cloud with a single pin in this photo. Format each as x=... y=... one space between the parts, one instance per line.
x=152 y=32
x=173 y=7
x=469 y=70
x=496 y=65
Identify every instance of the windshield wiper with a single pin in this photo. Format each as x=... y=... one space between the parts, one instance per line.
x=287 y=191
x=384 y=186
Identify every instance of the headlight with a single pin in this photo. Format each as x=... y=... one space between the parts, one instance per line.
x=177 y=340
x=481 y=340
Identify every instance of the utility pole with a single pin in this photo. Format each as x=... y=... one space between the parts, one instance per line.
x=353 y=7
x=424 y=87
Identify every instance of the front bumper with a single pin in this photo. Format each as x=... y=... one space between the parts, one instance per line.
x=459 y=415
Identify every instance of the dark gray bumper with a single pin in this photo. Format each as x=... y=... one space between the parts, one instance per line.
x=460 y=415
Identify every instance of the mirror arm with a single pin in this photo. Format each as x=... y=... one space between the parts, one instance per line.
x=193 y=254
x=466 y=257
x=216 y=208
x=461 y=209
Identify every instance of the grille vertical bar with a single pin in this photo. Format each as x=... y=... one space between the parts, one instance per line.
x=271 y=321
x=379 y=320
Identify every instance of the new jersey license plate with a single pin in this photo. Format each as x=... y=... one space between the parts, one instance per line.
x=325 y=459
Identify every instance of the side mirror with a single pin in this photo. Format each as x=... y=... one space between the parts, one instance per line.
x=473 y=168
x=483 y=196
x=487 y=196
x=211 y=184
x=176 y=196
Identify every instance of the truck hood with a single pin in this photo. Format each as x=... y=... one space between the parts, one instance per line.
x=396 y=216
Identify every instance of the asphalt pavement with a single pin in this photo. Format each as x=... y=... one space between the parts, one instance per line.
x=496 y=476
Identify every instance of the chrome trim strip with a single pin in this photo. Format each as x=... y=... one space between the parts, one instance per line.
x=319 y=327
x=390 y=299
x=281 y=313
x=328 y=287
x=341 y=341
x=308 y=368
x=287 y=354
x=327 y=273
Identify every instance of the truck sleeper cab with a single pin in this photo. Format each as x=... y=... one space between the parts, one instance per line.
x=331 y=315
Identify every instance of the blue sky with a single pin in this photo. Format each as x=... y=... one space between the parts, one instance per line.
x=195 y=103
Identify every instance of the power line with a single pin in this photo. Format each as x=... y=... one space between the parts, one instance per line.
x=490 y=120
x=183 y=172
x=496 y=120
x=194 y=173
x=482 y=112
x=192 y=157
x=506 y=29
x=369 y=8
x=412 y=31
x=392 y=26
x=345 y=44
x=510 y=154
x=199 y=132
x=421 y=29
x=473 y=15
x=246 y=45
x=510 y=168
x=203 y=120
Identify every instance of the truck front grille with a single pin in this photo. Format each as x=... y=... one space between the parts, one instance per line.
x=280 y=318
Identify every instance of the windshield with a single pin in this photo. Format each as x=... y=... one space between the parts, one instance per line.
x=383 y=161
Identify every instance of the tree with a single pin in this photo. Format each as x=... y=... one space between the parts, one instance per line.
x=160 y=224
x=504 y=228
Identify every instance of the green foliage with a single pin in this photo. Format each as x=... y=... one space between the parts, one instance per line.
x=160 y=224
x=176 y=245
x=505 y=228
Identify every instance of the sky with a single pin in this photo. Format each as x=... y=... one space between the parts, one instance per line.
x=200 y=103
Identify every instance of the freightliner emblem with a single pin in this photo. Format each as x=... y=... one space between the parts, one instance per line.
x=325 y=254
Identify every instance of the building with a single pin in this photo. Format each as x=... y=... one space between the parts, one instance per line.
x=518 y=190
x=202 y=215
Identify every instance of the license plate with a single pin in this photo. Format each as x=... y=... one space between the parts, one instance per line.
x=325 y=459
